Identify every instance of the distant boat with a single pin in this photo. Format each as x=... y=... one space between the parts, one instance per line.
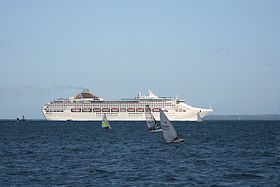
x=151 y=122
x=19 y=120
x=105 y=123
x=169 y=133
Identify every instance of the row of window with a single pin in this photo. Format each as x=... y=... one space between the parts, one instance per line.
x=59 y=103
x=111 y=110
x=109 y=105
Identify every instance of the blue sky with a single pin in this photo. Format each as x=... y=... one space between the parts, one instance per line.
x=210 y=52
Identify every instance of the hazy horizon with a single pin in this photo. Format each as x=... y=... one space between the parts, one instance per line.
x=273 y=117
x=223 y=54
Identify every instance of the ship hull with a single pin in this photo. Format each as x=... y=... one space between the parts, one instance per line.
x=121 y=116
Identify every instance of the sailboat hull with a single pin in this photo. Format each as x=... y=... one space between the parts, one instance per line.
x=157 y=130
x=175 y=141
x=179 y=140
x=107 y=129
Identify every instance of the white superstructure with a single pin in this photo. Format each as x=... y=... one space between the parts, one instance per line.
x=90 y=107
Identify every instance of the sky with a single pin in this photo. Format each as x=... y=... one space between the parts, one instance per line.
x=219 y=53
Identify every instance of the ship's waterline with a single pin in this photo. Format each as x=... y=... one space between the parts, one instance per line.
x=90 y=107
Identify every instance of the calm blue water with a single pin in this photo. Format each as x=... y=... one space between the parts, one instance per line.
x=81 y=153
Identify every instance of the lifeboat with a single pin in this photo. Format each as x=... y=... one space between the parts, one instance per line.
x=140 y=110
x=131 y=110
x=114 y=110
x=75 y=110
x=105 y=109
x=155 y=109
x=86 y=109
x=96 y=110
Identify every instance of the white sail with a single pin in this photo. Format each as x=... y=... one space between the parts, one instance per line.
x=169 y=132
x=151 y=122
x=199 y=117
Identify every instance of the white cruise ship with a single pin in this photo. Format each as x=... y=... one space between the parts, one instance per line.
x=90 y=107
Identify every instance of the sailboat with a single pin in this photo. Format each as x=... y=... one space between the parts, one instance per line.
x=151 y=122
x=169 y=133
x=105 y=123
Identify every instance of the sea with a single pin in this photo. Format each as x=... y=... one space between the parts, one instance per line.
x=214 y=153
